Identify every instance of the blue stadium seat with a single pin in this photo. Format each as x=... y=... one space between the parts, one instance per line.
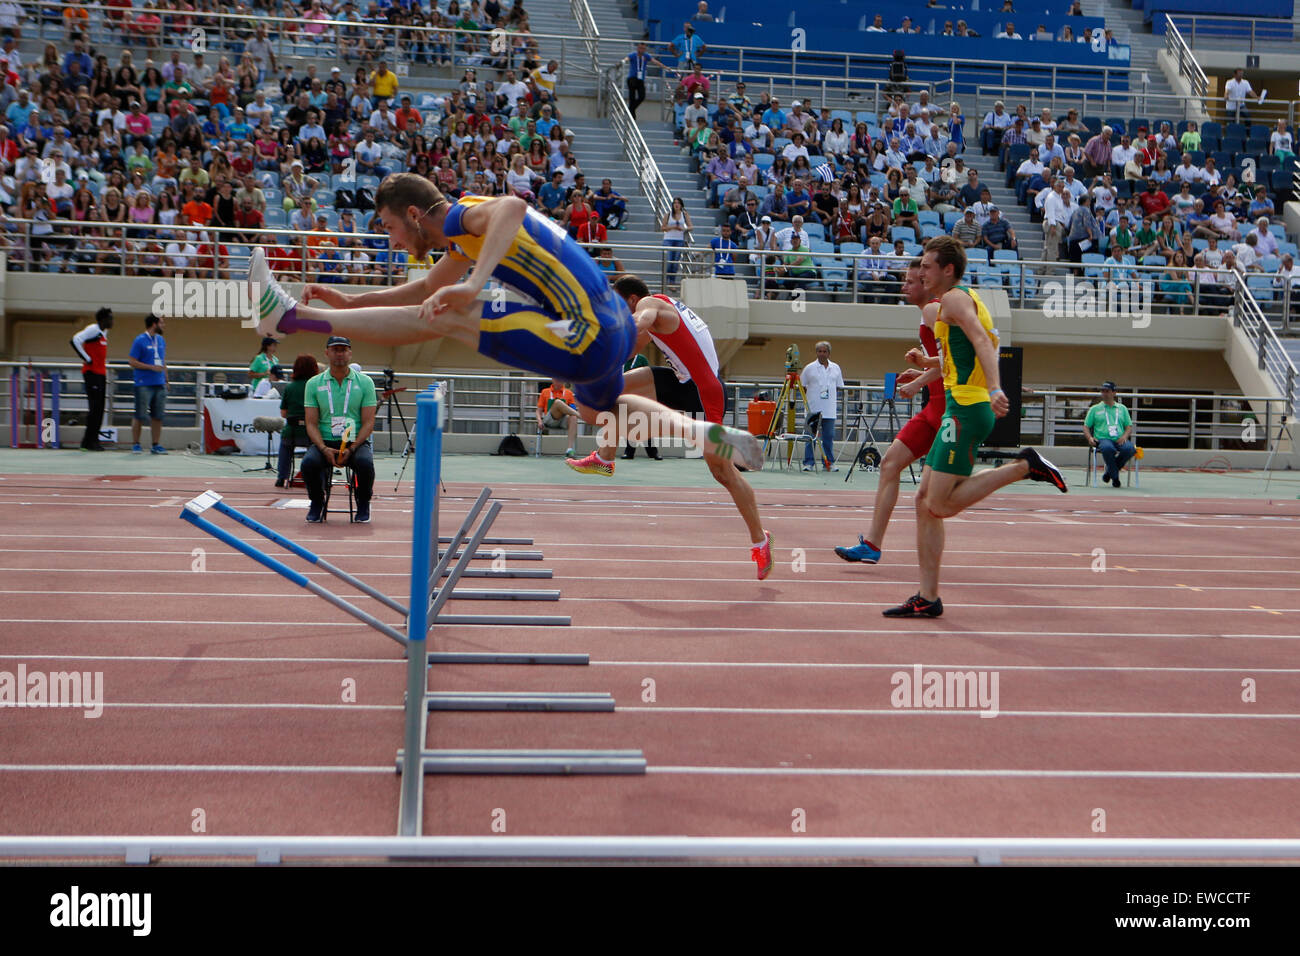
x=1093 y=123
x=1255 y=145
x=835 y=273
x=1005 y=255
x=844 y=116
x=851 y=248
x=815 y=230
x=1153 y=260
x=977 y=255
x=927 y=216
x=1259 y=131
x=1138 y=121
x=1288 y=248
x=1212 y=130
x=1270 y=263
x=764 y=160
x=1117 y=126
x=906 y=233
x=865 y=116
x=1261 y=287
x=930 y=230
x=1234 y=129
x=276 y=217
x=1267 y=161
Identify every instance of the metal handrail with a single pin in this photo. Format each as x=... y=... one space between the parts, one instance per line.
x=588 y=29
x=1173 y=418
x=1181 y=54
x=1271 y=356
x=1192 y=19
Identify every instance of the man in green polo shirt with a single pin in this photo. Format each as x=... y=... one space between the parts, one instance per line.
x=339 y=401
x=1108 y=428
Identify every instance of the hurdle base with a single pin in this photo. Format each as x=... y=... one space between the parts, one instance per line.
x=454 y=657
x=490 y=594
x=507 y=620
x=549 y=762
x=509 y=701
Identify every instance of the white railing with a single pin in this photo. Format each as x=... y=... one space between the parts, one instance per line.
x=1182 y=55
x=499 y=403
x=649 y=177
x=1272 y=357
x=1231 y=29
x=588 y=30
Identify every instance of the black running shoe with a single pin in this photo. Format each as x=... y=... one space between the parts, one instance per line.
x=1040 y=469
x=916 y=606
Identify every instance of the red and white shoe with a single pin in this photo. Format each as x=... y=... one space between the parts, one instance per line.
x=591 y=465
x=762 y=555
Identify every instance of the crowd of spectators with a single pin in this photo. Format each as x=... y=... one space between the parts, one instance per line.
x=879 y=189
x=238 y=144
x=1152 y=196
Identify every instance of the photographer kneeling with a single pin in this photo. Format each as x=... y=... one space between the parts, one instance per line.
x=340 y=397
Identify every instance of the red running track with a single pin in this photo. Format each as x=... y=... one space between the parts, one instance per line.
x=1119 y=690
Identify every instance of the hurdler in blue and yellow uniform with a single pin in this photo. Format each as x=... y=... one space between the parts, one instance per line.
x=968 y=417
x=574 y=327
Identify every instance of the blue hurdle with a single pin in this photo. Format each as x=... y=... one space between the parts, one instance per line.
x=435 y=572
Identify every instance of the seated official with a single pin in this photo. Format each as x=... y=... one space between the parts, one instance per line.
x=294 y=435
x=333 y=400
x=267 y=387
x=556 y=409
x=1109 y=429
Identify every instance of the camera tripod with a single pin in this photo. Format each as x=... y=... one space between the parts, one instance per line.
x=868 y=455
x=389 y=397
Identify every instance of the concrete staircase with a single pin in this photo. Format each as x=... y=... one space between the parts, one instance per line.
x=1128 y=28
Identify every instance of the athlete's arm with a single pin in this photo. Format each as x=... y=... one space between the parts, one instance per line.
x=918 y=381
x=313 y=432
x=498 y=222
x=653 y=314
x=919 y=359
x=959 y=310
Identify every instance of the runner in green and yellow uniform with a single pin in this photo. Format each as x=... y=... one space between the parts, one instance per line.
x=968 y=356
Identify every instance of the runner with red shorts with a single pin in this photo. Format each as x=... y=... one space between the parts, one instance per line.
x=915 y=438
x=690 y=384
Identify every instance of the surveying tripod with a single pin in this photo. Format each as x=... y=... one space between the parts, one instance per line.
x=791 y=389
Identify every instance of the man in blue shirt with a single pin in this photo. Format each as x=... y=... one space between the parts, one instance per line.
x=637 y=63
x=724 y=263
x=551 y=195
x=148 y=358
x=688 y=46
x=773 y=118
x=20 y=112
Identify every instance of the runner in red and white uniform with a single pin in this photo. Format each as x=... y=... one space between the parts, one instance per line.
x=691 y=384
x=915 y=438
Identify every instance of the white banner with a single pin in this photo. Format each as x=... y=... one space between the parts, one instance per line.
x=227 y=422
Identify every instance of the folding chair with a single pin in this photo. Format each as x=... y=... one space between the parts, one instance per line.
x=1132 y=469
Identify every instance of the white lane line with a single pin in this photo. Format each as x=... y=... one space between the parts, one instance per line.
x=946 y=772
x=902 y=631
x=552 y=560
x=42 y=536
x=477 y=583
x=190 y=768
x=786 y=603
x=946 y=712
x=828 y=665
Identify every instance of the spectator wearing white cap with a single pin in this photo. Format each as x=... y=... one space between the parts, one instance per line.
x=693 y=113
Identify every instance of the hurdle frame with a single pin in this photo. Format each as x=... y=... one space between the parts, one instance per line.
x=435 y=573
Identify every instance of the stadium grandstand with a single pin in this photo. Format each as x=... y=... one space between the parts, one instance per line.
x=144 y=142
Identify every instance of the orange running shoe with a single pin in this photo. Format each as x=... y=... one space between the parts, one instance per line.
x=762 y=555
x=591 y=465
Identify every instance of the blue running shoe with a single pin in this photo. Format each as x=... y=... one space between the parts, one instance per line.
x=866 y=553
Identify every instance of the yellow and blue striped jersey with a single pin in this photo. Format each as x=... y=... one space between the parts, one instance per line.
x=544 y=262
